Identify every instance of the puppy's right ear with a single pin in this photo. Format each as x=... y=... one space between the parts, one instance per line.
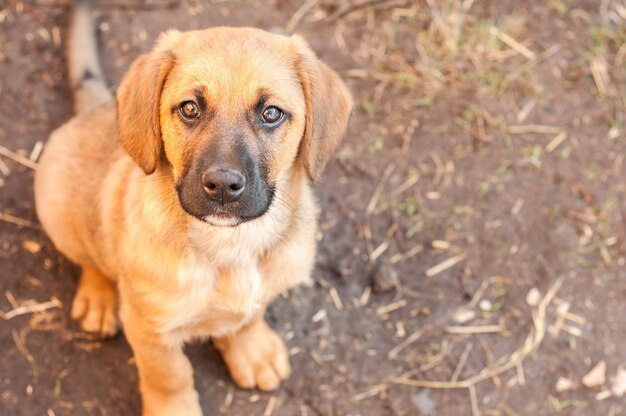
x=138 y=108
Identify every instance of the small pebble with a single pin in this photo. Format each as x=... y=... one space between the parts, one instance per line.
x=533 y=297
x=441 y=244
x=564 y=384
x=32 y=247
x=321 y=314
x=463 y=315
x=47 y=264
x=618 y=383
x=596 y=376
x=485 y=305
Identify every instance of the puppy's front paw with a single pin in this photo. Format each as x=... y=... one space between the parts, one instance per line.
x=95 y=304
x=256 y=357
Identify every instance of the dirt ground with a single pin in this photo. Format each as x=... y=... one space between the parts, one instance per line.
x=473 y=250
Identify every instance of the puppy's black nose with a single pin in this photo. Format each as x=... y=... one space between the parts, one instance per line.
x=223 y=185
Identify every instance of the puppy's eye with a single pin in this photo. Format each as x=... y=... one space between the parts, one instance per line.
x=272 y=116
x=189 y=110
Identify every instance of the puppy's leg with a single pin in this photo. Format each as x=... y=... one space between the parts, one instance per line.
x=95 y=303
x=165 y=373
x=255 y=356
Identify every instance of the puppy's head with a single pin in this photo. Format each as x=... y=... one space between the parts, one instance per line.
x=231 y=113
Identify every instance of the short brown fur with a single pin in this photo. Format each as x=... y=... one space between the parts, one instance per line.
x=175 y=277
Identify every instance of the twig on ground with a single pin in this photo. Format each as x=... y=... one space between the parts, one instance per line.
x=393 y=353
x=548 y=53
x=433 y=362
x=600 y=75
x=373 y=202
x=490 y=360
x=371 y=207
x=4 y=169
x=445 y=265
x=521 y=378
x=525 y=111
x=18 y=221
x=478 y=294
x=534 y=128
x=400 y=257
x=299 y=14
x=271 y=405
x=352 y=7
x=36 y=152
x=556 y=142
x=17 y=158
x=383 y=310
x=372 y=391
x=480 y=329
x=474 y=401
x=530 y=345
x=24 y=309
x=11 y=299
x=512 y=43
x=365 y=296
x=20 y=343
x=335 y=298
x=462 y=360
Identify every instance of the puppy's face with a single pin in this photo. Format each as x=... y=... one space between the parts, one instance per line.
x=231 y=115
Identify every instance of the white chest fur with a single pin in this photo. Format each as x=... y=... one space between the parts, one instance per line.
x=214 y=300
x=218 y=284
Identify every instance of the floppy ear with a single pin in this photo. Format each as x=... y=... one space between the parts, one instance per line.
x=328 y=106
x=138 y=108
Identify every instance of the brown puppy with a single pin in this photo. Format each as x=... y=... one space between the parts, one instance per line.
x=204 y=213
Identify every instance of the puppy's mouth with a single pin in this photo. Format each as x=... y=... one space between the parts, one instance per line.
x=251 y=206
x=222 y=221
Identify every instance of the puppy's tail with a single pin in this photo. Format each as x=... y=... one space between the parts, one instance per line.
x=86 y=75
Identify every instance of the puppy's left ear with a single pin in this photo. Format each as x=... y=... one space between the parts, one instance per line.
x=328 y=107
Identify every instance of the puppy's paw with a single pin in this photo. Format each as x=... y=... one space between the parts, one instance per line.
x=256 y=357
x=95 y=304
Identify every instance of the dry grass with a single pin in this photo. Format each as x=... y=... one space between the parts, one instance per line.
x=426 y=50
x=414 y=54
